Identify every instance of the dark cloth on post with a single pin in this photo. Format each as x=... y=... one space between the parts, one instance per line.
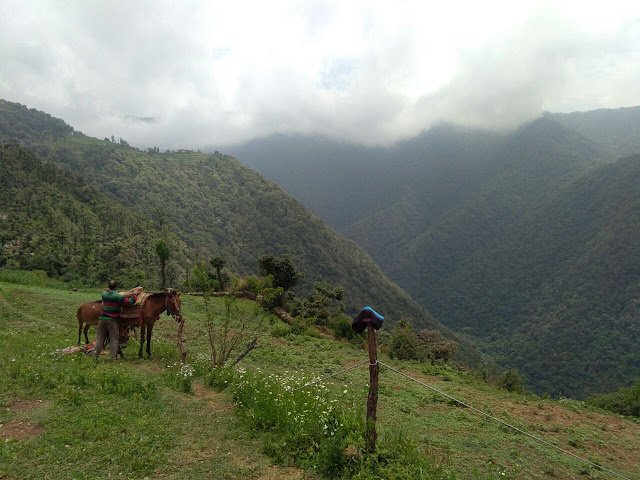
x=366 y=316
x=112 y=303
x=105 y=326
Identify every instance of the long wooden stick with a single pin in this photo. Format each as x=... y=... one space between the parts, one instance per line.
x=372 y=398
x=183 y=352
x=251 y=346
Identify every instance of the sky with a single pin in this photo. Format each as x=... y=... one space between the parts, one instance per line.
x=194 y=74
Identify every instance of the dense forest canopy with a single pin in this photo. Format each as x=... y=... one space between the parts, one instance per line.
x=51 y=220
x=618 y=129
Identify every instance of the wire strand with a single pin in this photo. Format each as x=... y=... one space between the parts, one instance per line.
x=599 y=467
x=308 y=384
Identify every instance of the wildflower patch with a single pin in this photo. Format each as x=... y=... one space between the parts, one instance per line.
x=313 y=426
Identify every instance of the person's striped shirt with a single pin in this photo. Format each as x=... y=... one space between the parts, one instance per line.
x=112 y=303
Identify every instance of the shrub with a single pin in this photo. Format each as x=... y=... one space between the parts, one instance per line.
x=181 y=377
x=341 y=328
x=200 y=281
x=323 y=304
x=625 y=401
x=404 y=343
x=281 y=330
x=436 y=346
x=512 y=381
x=272 y=297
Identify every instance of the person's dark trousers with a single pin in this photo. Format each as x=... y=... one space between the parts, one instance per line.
x=105 y=326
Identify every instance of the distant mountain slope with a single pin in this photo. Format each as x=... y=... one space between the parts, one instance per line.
x=470 y=226
x=220 y=207
x=580 y=330
x=344 y=183
x=484 y=268
x=25 y=126
x=618 y=129
x=52 y=220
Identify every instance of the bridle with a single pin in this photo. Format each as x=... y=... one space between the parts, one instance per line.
x=176 y=315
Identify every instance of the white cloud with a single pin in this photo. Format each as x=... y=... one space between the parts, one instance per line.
x=369 y=72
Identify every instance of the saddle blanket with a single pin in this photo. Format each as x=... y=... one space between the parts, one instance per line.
x=134 y=310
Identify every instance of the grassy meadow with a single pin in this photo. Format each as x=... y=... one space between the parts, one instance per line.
x=64 y=416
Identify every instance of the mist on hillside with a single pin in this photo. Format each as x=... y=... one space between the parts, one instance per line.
x=160 y=74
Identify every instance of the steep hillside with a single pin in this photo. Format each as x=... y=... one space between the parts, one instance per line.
x=220 y=207
x=473 y=232
x=51 y=220
x=551 y=290
x=618 y=129
x=581 y=328
x=484 y=267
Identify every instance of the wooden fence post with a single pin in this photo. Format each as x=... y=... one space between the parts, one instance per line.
x=372 y=399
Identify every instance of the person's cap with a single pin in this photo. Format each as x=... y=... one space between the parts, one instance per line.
x=359 y=324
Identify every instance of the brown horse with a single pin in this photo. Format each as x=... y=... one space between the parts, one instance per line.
x=169 y=301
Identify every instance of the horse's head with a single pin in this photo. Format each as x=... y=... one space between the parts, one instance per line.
x=173 y=303
x=124 y=334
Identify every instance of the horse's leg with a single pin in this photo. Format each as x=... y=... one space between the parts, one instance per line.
x=142 y=331
x=80 y=331
x=149 y=330
x=86 y=336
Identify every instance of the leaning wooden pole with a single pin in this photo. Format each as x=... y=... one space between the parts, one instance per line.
x=372 y=399
x=183 y=352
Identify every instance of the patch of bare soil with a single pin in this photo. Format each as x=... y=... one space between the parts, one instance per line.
x=286 y=473
x=272 y=472
x=25 y=405
x=149 y=366
x=216 y=401
x=18 y=324
x=325 y=333
x=19 y=430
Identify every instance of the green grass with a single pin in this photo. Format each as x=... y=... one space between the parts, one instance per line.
x=137 y=419
x=34 y=278
x=118 y=420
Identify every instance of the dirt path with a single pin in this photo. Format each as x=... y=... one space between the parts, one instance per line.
x=239 y=454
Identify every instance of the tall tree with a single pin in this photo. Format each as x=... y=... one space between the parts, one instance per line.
x=218 y=264
x=164 y=254
x=285 y=273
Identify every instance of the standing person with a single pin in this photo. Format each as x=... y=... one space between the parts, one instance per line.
x=112 y=303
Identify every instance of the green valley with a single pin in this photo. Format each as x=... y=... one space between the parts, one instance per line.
x=526 y=241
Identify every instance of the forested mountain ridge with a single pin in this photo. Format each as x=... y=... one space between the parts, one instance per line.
x=25 y=126
x=344 y=183
x=219 y=207
x=618 y=129
x=475 y=236
x=51 y=220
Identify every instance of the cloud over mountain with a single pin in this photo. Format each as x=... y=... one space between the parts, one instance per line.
x=214 y=73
